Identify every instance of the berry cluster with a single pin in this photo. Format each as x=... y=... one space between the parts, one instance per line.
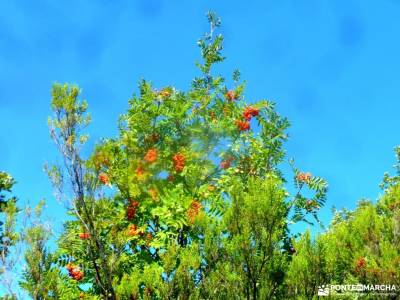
x=74 y=272
x=213 y=116
x=303 y=177
x=104 y=179
x=226 y=163
x=84 y=235
x=133 y=230
x=361 y=263
x=242 y=125
x=139 y=171
x=179 y=162
x=250 y=112
x=193 y=210
x=149 y=238
x=165 y=93
x=131 y=209
x=151 y=156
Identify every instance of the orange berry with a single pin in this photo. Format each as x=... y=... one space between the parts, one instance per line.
x=165 y=93
x=242 y=125
x=151 y=155
x=77 y=275
x=361 y=263
x=193 y=210
x=225 y=164
x=212 y=115
x=303 y=177
x=84 y=235
x=131 y=209
x=132 y=230
x=250 y=112
x=149 y=238
x=104 y=179
x=74 y=272
x=139 y=171
x=179 y=162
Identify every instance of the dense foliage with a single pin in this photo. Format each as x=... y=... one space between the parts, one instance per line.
x=189 y=202
x=360 y=247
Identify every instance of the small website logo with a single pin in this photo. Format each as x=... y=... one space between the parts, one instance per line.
x=359 y=289
x=323 y=290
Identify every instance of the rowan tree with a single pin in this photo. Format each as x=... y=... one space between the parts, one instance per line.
x=188 y=202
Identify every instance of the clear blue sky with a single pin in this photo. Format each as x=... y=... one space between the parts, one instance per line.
x=331 y=66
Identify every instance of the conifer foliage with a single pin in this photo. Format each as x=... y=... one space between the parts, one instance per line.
x=8 y=235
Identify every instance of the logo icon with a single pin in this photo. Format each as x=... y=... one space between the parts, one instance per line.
x=323 y=290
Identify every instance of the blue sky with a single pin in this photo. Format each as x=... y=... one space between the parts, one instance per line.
x=331 y=67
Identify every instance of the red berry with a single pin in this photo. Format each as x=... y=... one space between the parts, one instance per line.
x=250 y=112
x=225 y=164
x=242 y=125
x=139 y=171
x=84 y=235
x=131 y=209
x=77 y=275
x=212 y=115
x=133 y=230
x=151 y=156
x=165 y=93
x=303 y=177
x=179 y=162
x=149 y=236
x=193 y=210
x=361 y=263
x=103 y=177
x=74 y=272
